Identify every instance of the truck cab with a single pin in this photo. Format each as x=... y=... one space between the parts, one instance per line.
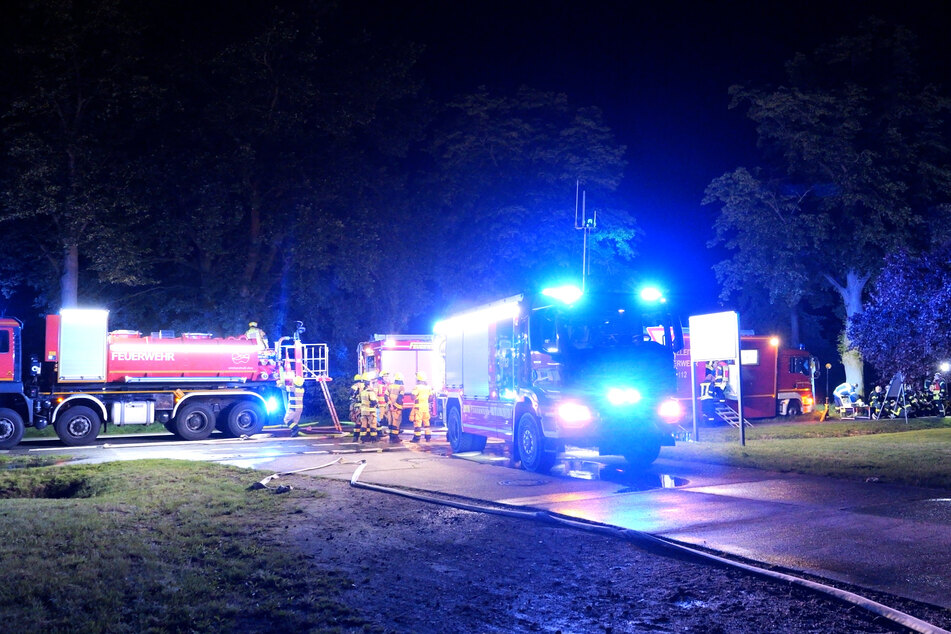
x=15 y=406
x=541 y=371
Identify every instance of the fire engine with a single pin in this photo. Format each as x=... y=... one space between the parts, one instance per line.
x=406 y=355
x=193 y=383
x=543 y=370
x=776 y=381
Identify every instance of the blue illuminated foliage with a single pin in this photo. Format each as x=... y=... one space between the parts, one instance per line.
x=905 y=323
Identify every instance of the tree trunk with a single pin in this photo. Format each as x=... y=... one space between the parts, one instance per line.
x=69 y=282
x=851 y=294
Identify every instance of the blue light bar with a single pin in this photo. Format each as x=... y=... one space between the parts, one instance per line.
x=567 y=294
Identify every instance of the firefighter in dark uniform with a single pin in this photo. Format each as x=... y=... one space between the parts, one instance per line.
x=355 y=390
x=420 y=414
x=368 y=423
x=394 y=402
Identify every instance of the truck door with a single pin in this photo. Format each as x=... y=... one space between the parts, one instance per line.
x=9 y=363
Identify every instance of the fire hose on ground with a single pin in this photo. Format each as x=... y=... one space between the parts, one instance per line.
x=896 y=616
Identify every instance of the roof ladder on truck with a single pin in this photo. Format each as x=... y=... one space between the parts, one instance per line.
x=309 y=361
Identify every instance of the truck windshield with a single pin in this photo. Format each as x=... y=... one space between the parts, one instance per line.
x=600 y=342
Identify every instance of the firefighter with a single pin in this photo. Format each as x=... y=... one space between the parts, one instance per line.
x=254 y=333
x=382 y=409
x=355 y=390
x=420 y=414
x=877 y=401
x=295 y=404
x=368 y=423
x=394 y=401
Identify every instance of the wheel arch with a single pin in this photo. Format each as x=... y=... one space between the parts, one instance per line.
x=224 y=398
x=88 y=400
x=19 y=404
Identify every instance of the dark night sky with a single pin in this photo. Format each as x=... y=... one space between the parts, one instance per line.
x=660 y=72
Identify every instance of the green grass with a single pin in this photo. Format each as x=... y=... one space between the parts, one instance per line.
x=154 y=546
x=916 y=453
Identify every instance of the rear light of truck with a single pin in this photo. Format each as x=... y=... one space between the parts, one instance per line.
x=671 y=411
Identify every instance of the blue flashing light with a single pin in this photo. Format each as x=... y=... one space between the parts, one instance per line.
x=271 y=405
x=567 y=294
x=623 y=396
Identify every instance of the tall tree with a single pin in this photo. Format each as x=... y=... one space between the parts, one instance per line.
x=68 y=127
x=856 y=147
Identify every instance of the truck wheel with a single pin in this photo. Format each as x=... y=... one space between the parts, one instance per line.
x=11 y=428
x=530 y=445
x=244 y=418
x=643 y=454
x=78 y=426
x=194 y=421
x=459 y=440
x=793 y=409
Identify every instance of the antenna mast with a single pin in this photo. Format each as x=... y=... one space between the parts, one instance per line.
x=585 y=224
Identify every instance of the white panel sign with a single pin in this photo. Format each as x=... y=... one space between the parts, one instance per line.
x=714 y=337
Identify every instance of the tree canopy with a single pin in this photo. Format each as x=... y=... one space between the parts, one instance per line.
x=288 y=167
x=904 y=327
x=856 y=163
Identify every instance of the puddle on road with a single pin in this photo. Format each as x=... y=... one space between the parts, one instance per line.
x=633 y=480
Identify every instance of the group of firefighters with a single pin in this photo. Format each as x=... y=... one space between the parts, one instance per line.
x=930 y=399
x=376 y=407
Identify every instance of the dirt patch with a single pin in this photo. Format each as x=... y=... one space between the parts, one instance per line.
x=417 y=567
x=49 y=485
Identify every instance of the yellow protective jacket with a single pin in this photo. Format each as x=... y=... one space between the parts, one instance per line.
x=394 y=394
x=367 y=400
x=421 y=394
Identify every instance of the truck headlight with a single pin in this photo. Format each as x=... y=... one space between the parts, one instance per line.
x=574 y=414
x=671 y=411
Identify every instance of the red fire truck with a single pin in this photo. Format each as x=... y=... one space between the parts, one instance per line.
x=540 y=371
x=405 y=355
x=193 y=383
x=776 y=381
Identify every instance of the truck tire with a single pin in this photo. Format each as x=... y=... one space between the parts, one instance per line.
x=245 y=418
x=459 y=440
x=530 y=445
x=194 y=421
x=643 y=454
x=11 y=428
x=78 y=425
x=794 y=408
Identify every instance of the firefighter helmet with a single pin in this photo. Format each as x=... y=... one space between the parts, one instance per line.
x=367 y=376
x=357 y=377
x=253 y=324
x=298 y=381
x=398 y=376
x=420 y=376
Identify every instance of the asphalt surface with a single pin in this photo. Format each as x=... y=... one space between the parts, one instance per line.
x=892 y=539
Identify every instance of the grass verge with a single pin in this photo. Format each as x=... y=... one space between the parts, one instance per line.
x=154 y=546
x=916 y=453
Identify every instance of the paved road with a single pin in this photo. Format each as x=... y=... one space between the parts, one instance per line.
x=889 y=538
